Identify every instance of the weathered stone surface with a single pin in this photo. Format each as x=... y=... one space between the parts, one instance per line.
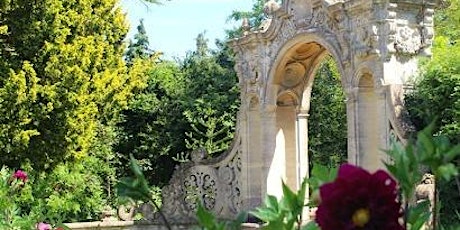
x=375 y=44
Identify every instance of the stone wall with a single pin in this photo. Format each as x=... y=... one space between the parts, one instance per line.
x=137 y=225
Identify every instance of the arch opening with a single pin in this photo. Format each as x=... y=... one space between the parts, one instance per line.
x=294 y=152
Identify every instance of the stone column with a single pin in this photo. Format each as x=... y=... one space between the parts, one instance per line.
x=302 y=155
x=252 y=160
x=302 y=146
x=383 y=124
x=352 y=125
x=268 y=137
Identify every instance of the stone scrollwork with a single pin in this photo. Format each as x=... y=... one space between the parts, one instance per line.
x=408 y=40
x=362 y=39
x=200 y=185
x=214 y=183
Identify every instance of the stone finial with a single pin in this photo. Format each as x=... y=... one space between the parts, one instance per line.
x=198 y=155
x=270 y=7
x=245 y=26
x=426 y=191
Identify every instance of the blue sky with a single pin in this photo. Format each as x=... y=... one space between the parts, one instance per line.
x=173 y=26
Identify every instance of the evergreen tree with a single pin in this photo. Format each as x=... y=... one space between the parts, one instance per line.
x=139 y=49
x=212 y=98
x=327 y=129
x=153 y=126
x=62 y=76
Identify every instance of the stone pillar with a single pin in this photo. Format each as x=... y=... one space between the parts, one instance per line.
x=383 y=125
x=302 y=155
x=302 y=146
x=352 y=127
x=252 y=161
x=269 y=140
x=368 y=123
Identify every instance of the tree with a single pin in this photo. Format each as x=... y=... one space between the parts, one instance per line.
x=140 y=48
x=327 y=131
x=211 y=98
x=153 y=125
x=62 y=75
x=255 y=17
x=63 y=83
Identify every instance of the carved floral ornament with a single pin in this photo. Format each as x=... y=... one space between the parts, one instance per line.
x=214 y=182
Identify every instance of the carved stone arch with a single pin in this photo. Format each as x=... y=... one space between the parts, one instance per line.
x=290 y=46
x=374 y=42
x=309 y=81
x=361 y=36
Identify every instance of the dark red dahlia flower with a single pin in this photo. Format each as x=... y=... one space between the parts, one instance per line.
x=359 y=200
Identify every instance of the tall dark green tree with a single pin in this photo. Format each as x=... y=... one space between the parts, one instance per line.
x=255 y=17
x=153 y=127
x=327 y=127
x=211 y=98
x=139 y=48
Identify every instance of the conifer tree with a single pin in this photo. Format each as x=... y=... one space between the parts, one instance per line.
x=139 y=48
x=62 y=75
x=211 y=99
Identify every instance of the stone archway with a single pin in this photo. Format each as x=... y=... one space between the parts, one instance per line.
x=375 y=44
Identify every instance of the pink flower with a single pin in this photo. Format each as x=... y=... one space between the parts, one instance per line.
x=358 y=200
x=20 y=175
x=43 y=226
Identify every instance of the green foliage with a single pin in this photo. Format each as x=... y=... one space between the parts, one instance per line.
x=195 y=101
x=209 y=131
x=255 y=17
x=447 y=20
x=138 y=189
x=286 y=213
x=12 y=193
x=140 y=48
x=153 y=127
x=211 y=99
x=327 y=133
x=63 y=75
x=135 y=187
x=436 y=153
x=436 y=95
x=71 y=192
x=320 y=175
x=207 y=221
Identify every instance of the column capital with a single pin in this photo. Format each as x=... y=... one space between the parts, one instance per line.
x=302 y=114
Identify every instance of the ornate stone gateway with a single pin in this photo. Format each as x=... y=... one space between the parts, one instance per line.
x=375 y=44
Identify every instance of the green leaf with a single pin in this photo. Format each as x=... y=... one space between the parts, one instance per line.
x=289 y=199
x=271 y=202
x=302 y=191
x=311 y=226
x=447 y=171
x=266 y=214
x=205 y=218
x=419 y=215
